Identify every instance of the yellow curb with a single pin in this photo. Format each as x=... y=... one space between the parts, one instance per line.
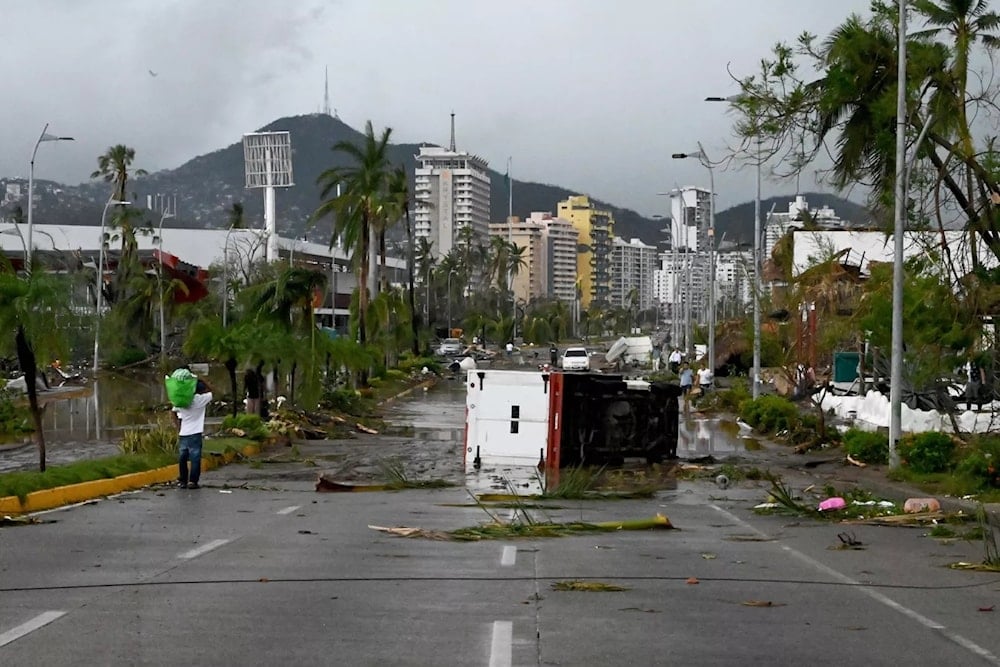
x=75 y=493
x=47 y=499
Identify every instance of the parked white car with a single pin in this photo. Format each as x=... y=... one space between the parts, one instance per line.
x=575 y=359
x=450 y=347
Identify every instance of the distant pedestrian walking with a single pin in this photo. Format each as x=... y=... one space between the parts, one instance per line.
x=252 y=388
x=687 y=380
x=675 y=360
x=191 y=426
x=975 y=378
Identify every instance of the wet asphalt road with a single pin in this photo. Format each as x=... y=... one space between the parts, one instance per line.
x=277 y=574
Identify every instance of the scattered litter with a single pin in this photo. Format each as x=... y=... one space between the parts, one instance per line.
x=854 y=461
x=990 y=608
x=692 y=581
x=708 y=556
x=364 y=429
x=832 y=504
x=865 y=503
x=645 y=611
x=224 y=491
x=749 y=538
x=849 y=541
x=722 y=481
x=305 y=532
x=919 y=505
x=762 y=603
x=766 y=506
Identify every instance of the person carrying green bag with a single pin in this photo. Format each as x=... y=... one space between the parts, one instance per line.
x=190 y=421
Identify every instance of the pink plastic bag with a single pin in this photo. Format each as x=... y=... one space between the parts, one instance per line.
x=831 y=504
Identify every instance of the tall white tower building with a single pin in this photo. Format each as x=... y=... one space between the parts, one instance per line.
x=452 y=191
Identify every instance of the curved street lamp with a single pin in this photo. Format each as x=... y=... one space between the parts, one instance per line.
x=44 y=136
x=703 y=158
x=100 y=278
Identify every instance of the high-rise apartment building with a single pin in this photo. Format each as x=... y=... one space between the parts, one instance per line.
x=690 y=213
x=548 y=255
x=561 y=241
x=593 y=260
x=632 y=266
x=452 y=191
x=529 y=282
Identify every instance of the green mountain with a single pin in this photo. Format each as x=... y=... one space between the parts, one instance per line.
x=206 y=187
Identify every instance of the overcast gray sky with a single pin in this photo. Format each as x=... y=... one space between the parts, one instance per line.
x=589 y=94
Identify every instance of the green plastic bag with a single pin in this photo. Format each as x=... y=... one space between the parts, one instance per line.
x=181 y=385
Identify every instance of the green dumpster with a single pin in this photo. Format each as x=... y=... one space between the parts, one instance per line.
x=845 y=366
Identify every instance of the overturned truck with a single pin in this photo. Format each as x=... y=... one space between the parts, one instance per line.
x=520 y=421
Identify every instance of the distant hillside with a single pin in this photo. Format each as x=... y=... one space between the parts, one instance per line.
x=737 y=222
x=207 y=186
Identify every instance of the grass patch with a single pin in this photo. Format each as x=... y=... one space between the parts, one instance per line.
x=226 y=444
x=396 y=478
x=20 y=484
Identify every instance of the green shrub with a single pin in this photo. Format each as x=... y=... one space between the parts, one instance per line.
x=410 y=365
x=159 y=440
x=927 y=452
x=245 y=425
x=394 y=374
x=980 y=462
x=729 y=400
x=343 y=400
x=14 y=418
x=866 y=446
x=770 y=414
x=126 y=356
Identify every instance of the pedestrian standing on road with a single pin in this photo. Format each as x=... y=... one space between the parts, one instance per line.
x=553 y=355
x=687 y=380
x=656 y=358
x=510 y=349
x=190 y=422
x=251 y=385
x=705 y=378
x=675 y=360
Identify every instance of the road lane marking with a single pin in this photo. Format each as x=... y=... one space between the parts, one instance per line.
x=205 y=548
x=500 y=647
x=509 y=556
x=928 y=623
x=288 y=510
x=37 y=622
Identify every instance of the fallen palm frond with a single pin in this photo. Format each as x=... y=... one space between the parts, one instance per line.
x=782 y=495
x=762 y=603
x=587 y=586
x=498 y=530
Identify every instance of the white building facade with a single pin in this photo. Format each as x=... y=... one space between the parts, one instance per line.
x=452 y=191
x=560 y=239
x=633 y=264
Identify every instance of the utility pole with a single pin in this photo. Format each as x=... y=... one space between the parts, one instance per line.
x=896 y=363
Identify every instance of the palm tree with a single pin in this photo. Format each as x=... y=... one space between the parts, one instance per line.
x=113 y=166
x=237 y=217
x=359 y=205
x=399 y=191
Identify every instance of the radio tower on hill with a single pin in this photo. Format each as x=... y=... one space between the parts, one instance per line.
x=326 y=94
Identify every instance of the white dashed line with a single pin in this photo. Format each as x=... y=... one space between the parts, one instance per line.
x=509 y=556
x=928 y=623
x=500 y=647
x=288 y=510
x=205 y=548
x=37 y=622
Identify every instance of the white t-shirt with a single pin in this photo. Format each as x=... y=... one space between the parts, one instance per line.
x=705 y=376
x=193 y=416
x=675 y=357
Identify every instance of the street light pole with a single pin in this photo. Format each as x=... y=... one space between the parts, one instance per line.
x=703 y=158
x=896 y=362
x=159 y=279
x=450 y=274
x=31 y=191
x=755 y=380
x=100 y=278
